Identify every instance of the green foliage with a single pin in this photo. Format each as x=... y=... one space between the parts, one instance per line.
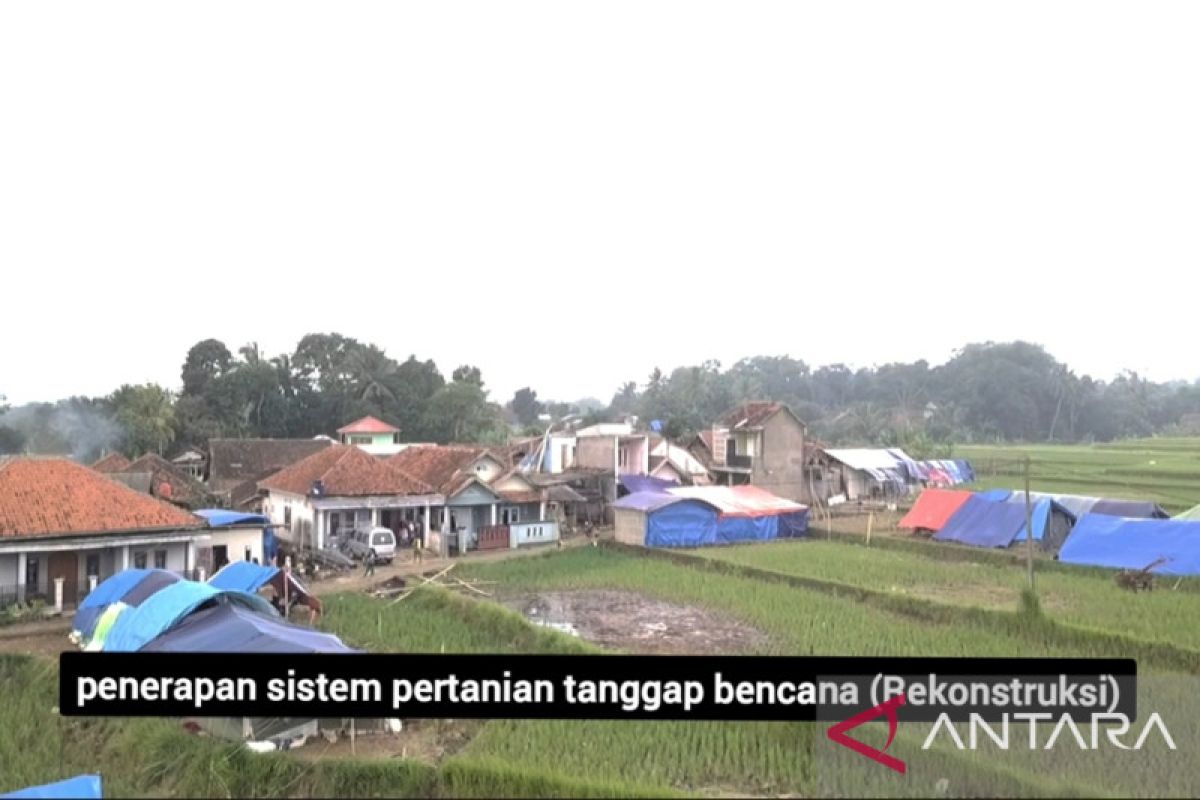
x=147 y=415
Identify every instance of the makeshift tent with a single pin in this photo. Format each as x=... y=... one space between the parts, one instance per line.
x=164 y=609
x=657 y=519
x=1137 y=509
x=1052 y=525
x=85 y=787
x=995 y=495
x=1100 y=540
x=104 y=625
x=131 y=587
x=983 y=524
x=229 y=628
x=748 y=513
x=644 y=483
x=933 y=508
x=246 y=576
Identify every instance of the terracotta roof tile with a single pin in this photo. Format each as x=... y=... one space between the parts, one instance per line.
x=235 y=461
x=751 y=415
x=368 y=425
x=442 y=466
x=113 y=462
x=345 y=471
x=167 y=481
x=57 y=497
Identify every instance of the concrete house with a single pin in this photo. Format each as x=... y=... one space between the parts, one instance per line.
x=340 y=488
x=486 y=506
x=61 y=521
x=761 y=444
x=373 y=435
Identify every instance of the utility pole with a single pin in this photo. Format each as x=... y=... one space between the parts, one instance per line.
x=1029 y=528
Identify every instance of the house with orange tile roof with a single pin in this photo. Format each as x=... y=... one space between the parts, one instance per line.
x=64 y=526
x=339 y=489
x=373 y=435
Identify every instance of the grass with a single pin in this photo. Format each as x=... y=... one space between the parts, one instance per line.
x=1166 y=471
x=1088 y=600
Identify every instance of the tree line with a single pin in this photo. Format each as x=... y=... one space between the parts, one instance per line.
x=1012 y=391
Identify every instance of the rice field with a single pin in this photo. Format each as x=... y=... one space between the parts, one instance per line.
x=1164 y=470
x=1086 y=599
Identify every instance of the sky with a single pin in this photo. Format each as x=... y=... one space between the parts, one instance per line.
x=570 y=194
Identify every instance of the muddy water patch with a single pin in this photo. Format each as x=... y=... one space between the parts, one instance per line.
x=635 y=623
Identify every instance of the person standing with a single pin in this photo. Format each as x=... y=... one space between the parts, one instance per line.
x=369 y=564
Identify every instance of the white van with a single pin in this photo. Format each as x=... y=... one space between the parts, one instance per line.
x=380 y=540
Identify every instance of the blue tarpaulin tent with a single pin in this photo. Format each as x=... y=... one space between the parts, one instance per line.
x=1137 y=509
x=1100 y=540
x=645 y=483
x=983 y=524
x=669 y=521
x=235 y=629
x=131 y=587
x=244 y=576
x=164 y=609
x=794 y=524
x=81 y=786
x=747 y=529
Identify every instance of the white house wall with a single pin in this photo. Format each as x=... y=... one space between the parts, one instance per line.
x=236 y=540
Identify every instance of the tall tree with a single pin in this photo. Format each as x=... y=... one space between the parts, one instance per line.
x=147 y=414
x=526 y=406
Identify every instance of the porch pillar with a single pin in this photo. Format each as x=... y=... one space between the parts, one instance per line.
x=125 y=557
x=22 y=566
x=542 y=510
x=494 y=513
x=92 y=581
x=428 y=512
x=375 y=517
x=58 y=594
x=320 y=522
x=189 y=556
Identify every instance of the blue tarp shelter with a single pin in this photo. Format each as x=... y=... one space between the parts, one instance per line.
x=81 y=786
x=793 y=525
x=1100 y=540
x=1137 y=509
x=747 y=529
x=645 y=483
x=164 y=609
x=665 y=520
x=983 y=524
x=231 y=628
x=130 y=586
x=243 y=576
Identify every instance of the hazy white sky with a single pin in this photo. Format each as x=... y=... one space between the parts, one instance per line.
x=568 y=194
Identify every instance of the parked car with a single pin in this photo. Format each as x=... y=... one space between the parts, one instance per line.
x=381 y=541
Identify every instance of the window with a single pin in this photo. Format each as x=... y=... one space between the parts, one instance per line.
x=287 y=517
x=249 y=554
x=510 y=515
x=31 y=573
x=139 y=560
x=160 y=559
x=93 y=564
x=361 y=440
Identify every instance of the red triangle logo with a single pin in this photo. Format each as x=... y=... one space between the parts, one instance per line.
x=838 y=733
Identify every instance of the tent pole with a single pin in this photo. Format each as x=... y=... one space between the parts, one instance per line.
x=1029 y=529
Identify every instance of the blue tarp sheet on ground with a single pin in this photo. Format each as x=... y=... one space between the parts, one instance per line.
x=1100 y=540
x=220 y=517
x=645 y=483
x=983 y=524
x=162 y=610
x=685 y=523
x=236 y=629
x=792 y=525
x=747 y=529
x=245 y=576
x=81 y=786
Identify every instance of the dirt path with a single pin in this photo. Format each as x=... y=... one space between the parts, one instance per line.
x=405 y=566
